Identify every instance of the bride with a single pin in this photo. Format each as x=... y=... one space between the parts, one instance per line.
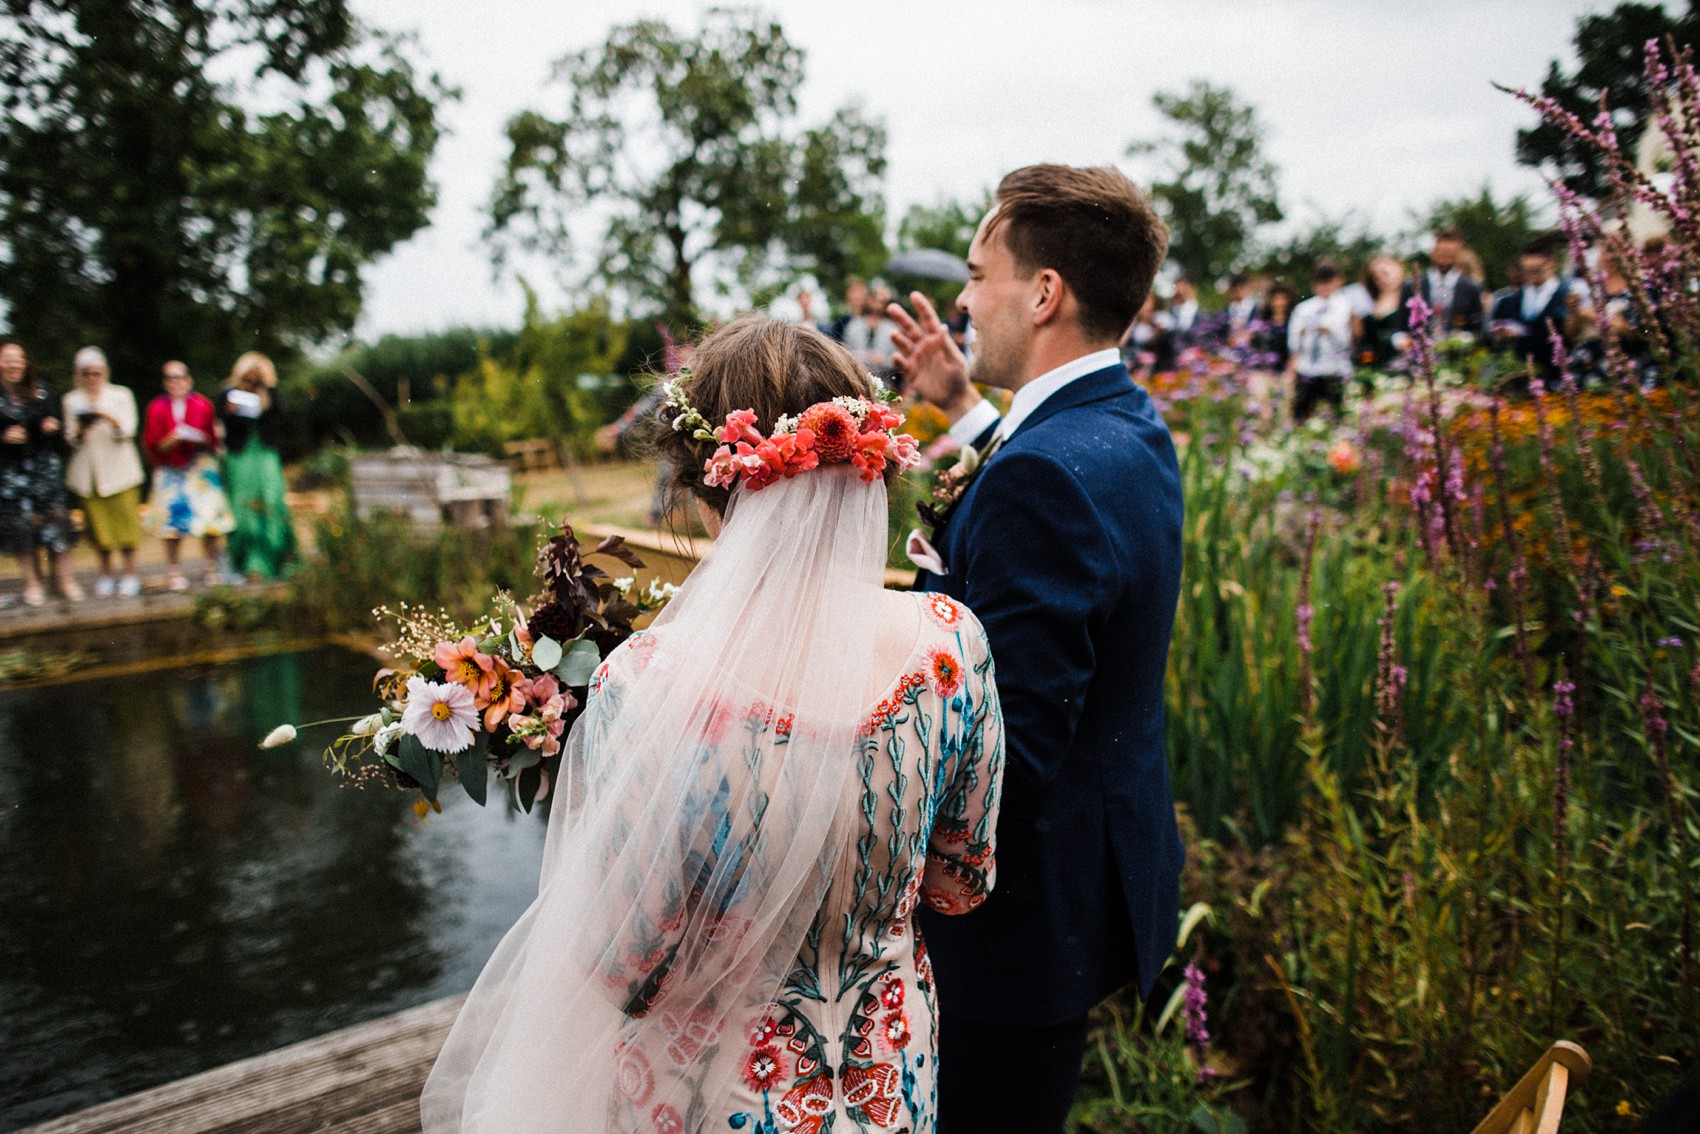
x=762 y=787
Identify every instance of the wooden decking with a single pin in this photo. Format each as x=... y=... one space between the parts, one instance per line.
x=361 y=1080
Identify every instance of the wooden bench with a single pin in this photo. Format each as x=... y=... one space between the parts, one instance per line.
x=1536 y=1103
x=533 y=453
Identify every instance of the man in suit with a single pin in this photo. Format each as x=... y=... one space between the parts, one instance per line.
x=1067 y=544
x=1454 y=297
x=1525 y=321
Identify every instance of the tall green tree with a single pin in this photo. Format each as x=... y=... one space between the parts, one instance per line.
x=948 y=223
x=1347 y=240
x=1494 y=230
x=683 y=148
x=193 y=178
x=1216 y=187
x=1610 y=48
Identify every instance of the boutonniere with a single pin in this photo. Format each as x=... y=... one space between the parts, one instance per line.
x=952 y=484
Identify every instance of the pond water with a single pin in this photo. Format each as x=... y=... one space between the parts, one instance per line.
x=172 y=898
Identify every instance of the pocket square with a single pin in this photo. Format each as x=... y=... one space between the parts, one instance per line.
x=924 y=555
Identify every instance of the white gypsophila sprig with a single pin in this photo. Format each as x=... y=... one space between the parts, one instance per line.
x=687 y=418
x=857 y=407
x=786 y=424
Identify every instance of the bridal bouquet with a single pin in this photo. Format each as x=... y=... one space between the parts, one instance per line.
x=501 y=694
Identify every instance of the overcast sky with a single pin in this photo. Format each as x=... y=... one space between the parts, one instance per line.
x=1372 y=107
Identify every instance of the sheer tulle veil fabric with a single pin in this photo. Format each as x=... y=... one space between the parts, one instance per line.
x=705 y=801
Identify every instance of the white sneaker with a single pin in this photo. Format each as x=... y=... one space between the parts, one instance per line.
x=105 y=587
x=129 y=586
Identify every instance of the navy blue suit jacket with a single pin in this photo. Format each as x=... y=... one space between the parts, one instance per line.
x=1067 y=545
x=1536 y=342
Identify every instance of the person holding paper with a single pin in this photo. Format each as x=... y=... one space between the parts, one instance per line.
x=188 y=499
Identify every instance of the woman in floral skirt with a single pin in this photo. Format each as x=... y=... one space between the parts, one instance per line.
x=181 y=437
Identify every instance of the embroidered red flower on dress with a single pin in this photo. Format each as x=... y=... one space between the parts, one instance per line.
x=944 y=611
x=632 y=1074
x=874 y=1091
x=805 y=1105
x=667 y=1120
x=761 y=1068
x=891 y=990
x=944 y=673
x=895 y=1031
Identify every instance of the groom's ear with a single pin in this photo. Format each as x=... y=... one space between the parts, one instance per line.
x=1050 y=297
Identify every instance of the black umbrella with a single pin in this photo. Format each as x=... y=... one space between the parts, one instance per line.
x=928 y=264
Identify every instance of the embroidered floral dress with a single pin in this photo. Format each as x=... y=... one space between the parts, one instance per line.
x=850 y=1044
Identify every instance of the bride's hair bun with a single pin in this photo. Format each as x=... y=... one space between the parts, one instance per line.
x=775 y=368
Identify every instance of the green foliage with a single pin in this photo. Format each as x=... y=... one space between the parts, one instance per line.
x=359 y=565
x=321 y=402
x=539 y=388
x=162 y=212
x=948 y=224
x=685 y=141
x=25 y=665
x=1217 y=187
x=1609 y=50
x=1428 y=868
x=1494 y=230
x=1347 y=240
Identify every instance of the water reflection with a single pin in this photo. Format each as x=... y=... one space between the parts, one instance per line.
x=173 y=898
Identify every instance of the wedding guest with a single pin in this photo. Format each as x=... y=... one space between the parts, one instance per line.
x=33 y=515
x=855 y=301
x=188 y=500
x=1384 y=331
x=1240 y=311
x=1148 y=348
x=1274 y=317
x=1451 y=292
x=1526 y=320
x=1180 y=320
x=1319 y=344
x=869 y=335
x=105 y=472
x=249 y=411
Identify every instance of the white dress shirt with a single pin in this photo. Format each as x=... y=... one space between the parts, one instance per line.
x=1030 y=397
x=1319 y=336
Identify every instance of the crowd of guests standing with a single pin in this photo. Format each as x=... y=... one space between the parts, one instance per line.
x=1342 y=328
x=217 y=474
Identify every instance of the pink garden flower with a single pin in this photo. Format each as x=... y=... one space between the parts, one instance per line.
x=499 y=695
x=462 y=663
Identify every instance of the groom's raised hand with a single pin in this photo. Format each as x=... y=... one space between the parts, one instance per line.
x=930 y=359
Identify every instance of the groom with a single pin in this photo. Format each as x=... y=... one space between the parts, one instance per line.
x=1067 y=544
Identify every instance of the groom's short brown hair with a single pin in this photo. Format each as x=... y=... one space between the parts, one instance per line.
x=1094 y=228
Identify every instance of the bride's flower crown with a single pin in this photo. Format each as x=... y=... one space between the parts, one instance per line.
x=856 y=431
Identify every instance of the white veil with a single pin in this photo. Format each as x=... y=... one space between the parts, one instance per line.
x=706 y=798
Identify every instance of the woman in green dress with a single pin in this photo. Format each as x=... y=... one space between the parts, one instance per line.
x=264 y=539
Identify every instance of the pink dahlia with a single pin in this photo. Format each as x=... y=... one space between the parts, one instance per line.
x=834 y=428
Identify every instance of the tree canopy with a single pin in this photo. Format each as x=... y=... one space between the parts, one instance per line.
x=151 y=206
x=1610 y=49
x=1217 y=186
x=1494 y=230
x=682 y=147
x=947 y=224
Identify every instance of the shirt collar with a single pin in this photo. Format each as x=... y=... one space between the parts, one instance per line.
x=1033 y=395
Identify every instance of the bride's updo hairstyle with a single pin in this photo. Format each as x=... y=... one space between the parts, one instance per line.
x=755 y=363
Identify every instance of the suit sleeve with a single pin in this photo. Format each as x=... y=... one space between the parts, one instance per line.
x=1038 y=555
